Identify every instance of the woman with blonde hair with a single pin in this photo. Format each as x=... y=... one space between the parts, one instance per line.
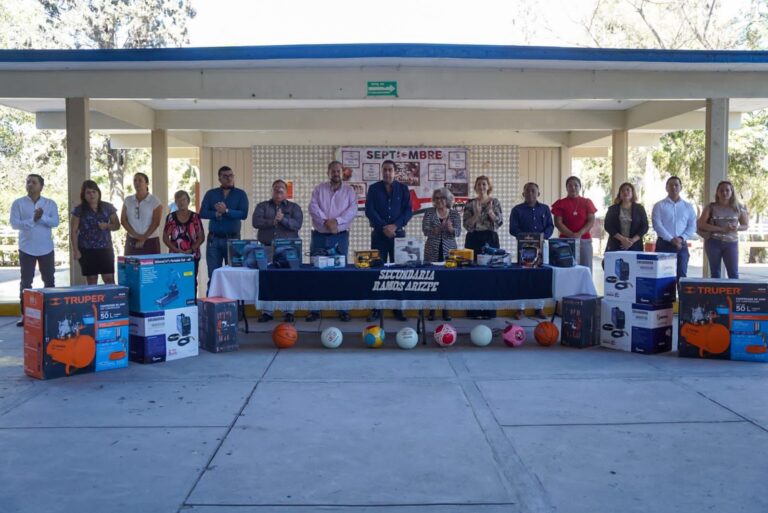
x=626 y=221
x=722 y=220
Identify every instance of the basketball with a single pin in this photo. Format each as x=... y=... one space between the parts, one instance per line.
x=546 y=333
x=331 y=337
x=514 y=335
x=373 y=336
x=407 y=338
x=445 y=335
x=481 y=335
x=284 y=335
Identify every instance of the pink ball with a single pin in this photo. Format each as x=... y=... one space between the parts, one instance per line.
x=513 y=335
x=445 y=335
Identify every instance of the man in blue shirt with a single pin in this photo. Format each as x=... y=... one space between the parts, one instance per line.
x=531 y=216
x=674 y=221
x=388 y=209
x=226 y=207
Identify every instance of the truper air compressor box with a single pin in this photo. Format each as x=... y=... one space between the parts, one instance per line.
x=75 y=330
x=723 y=319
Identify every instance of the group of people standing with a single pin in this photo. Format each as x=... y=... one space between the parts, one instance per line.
x=332 y=209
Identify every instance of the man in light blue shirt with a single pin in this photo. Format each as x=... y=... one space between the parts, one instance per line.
x=34 y=217
x=674 y=221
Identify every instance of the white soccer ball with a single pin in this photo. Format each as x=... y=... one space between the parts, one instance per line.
x=481 y=335
x=407 y=338
x=331 y=337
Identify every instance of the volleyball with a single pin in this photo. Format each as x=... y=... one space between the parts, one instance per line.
x=373 y=336
x=407 y=338
x=331 y=337
x=481 y=335
x=445 y=335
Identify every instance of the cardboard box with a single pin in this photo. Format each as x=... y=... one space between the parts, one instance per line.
x=235 y=254
x=164 y=335
x=329 y=262
x=408 y=250
x=495 y=260
x=723 y=319
x=640 y=277
x=581 y=321
x=75 y=330
x=286 y=253
x=218 y=324
x=530 y=249
x=562 y=252
x=639 y=328
x=158 y=282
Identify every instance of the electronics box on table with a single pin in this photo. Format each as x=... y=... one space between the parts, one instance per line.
x=235 y=249
x=494 y=260
x=562 y=252
x=158 y=281
x=164 y=335
x=329 y=262
x=635 y=327
x=286 y=253
x=530 y=249
x=723 y=319
x=581 y=321
x=218 y=324
x=640 y=277
x=75 y=330
x=408 y=250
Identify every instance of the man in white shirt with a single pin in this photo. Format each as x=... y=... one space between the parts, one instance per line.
x=34 y=216
x=674 y=221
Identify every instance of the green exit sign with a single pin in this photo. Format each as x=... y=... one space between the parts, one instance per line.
x=387 y=88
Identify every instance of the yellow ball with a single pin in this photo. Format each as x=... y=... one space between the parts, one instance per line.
x=373 y=336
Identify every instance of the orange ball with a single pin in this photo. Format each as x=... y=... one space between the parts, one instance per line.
x=284 y=335
x=546 y=333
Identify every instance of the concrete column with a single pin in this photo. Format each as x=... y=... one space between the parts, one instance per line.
x=715 y=153
x=620 y=160
x=206 y=183
x=159 y=181
x=566 y=168
x=78 y=165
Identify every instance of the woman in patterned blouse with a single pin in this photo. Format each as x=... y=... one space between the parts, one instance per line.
x=90 y=227
x=482 y=217
x=183 y=232
x=441 y=225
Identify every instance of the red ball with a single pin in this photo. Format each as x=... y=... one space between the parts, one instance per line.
x=284 y=335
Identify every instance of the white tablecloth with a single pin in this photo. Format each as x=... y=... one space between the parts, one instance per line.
x=242 y=283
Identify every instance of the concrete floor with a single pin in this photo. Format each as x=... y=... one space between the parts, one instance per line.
x=309 y=429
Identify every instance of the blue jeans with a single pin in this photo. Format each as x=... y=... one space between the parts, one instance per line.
x=327 y=241
x=663 y=246
x=215 y=256
x=726 y=252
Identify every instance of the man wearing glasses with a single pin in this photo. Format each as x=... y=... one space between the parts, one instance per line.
x=225 y=206
x=277 y=218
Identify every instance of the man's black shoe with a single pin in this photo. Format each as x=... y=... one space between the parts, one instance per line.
x=399 y=315
x=264 y=317
x=344 y=317
x=312 y=317
x=288 y=318
x=374 y=316
x=20 y=322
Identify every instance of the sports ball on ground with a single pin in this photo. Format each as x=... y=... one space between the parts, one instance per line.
x=284 y=335
x=481 y=335
x=546 y=333
x=407 y=338
x=373 y=336
x=445 y=335
x=331 y=337
x=513 y=335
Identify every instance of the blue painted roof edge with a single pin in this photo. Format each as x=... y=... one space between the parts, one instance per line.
x=393 y=50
